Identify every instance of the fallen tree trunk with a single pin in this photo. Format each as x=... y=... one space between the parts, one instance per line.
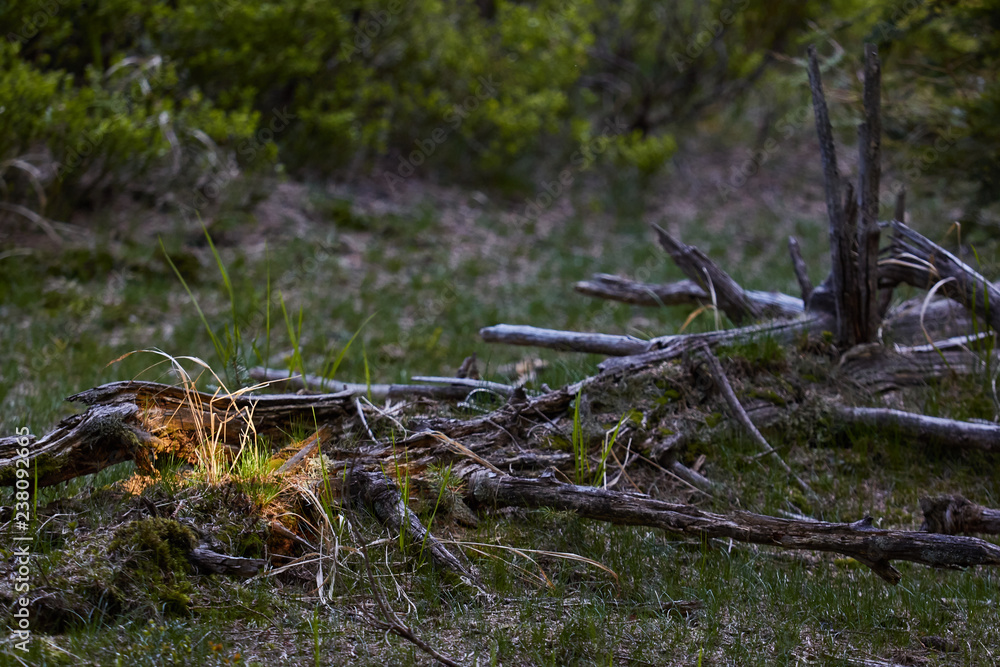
x=874 y=547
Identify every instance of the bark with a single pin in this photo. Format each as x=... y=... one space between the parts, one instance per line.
x=725 y=292
x=860 y=540
x=211 y=562
x=954 y=515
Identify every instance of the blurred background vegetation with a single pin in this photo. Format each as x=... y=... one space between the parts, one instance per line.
x=102 y=98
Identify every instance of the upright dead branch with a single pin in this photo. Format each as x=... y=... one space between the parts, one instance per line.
x=726 y=292
x=870 y=173
x=841 y=281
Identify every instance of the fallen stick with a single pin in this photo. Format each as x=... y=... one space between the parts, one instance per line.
x=376 y=391
x=860 y=540
x=680 y=293
x=954 y=515
x=377 y=491
x=723 y=291
x=569 y=341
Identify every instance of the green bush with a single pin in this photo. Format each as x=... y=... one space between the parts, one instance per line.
x=125 y=90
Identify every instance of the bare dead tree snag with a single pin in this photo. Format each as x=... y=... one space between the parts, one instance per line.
x=840 y=283
x=870 y=173
x=729 y=296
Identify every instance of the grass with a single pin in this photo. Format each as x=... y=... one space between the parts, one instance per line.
x=373 y=301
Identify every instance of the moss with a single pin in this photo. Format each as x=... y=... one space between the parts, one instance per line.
x=156 y=561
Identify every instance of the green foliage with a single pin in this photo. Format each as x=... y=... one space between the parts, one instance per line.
x=942 y=94
x=119 y=93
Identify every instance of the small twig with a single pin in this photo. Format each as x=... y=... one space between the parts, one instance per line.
x=722 y=382
x=393 y=624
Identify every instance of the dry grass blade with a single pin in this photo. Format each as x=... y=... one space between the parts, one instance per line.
x=541 y=552
x=463 y=450
x=927 y=300
x=39 y=220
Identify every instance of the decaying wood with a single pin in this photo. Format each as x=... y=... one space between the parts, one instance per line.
x=869 y=176
x=860 y=540
x=877 y=369
x=723 y=291
x=212 y=562
x=680 y=293
x=917 y=261
x=923 y=429
x=954 y=515
x=138 y=420
x=841 y=286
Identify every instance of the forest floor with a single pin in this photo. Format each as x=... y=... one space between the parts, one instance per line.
x=415 y=274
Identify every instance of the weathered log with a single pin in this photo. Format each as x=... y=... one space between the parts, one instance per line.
x=924 y=429
x=138 y=420
x=878 y=369
x=874 y=547
x=212 y=562
x=725 y=292
x=915 y=260
x=680 y=293
x=869 y=176
x=954 y=515
x=569 y=341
